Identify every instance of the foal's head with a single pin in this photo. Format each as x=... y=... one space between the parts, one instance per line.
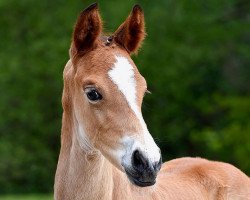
x=107 y=92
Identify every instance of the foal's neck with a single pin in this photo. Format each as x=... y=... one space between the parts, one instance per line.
x=81 y=174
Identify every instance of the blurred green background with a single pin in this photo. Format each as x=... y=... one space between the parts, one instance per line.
x=196 y=60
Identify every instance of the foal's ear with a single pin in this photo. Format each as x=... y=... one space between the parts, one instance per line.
x=87 y=30
x=131 y=33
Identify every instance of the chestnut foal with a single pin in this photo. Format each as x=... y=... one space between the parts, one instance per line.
x=107 y=151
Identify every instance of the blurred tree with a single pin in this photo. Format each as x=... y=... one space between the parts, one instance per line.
x=195 y=59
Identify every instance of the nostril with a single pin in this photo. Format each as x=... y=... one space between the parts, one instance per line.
x=139 y=161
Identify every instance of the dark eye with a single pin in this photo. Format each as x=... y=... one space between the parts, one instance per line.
x=93 y=94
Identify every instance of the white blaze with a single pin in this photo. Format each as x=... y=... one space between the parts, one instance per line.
x=122 y=74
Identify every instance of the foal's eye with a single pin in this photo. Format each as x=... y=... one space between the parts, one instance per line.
x=93 y=94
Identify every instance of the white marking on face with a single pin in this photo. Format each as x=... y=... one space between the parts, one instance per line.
x=122 y=74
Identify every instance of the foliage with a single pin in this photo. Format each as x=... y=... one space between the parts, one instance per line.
x=26 y=197
x=195 y=59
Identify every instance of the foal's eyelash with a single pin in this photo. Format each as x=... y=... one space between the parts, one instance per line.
x=147 y=92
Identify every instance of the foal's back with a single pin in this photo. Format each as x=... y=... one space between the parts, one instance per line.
x=196 y=178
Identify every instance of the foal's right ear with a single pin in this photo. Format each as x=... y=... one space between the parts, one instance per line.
x=87 y=30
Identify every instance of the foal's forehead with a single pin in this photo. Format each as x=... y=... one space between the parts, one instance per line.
x=107 y=56
x=103 y=59
x=111 y=62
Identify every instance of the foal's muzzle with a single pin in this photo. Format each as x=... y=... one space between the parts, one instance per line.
x=143 y=172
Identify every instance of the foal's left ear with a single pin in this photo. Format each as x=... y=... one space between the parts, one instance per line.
x=131 y=33
x=87 y=30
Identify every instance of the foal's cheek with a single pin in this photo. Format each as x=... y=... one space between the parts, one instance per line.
x=99 y=116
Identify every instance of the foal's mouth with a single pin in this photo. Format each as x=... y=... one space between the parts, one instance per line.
x=136 y=180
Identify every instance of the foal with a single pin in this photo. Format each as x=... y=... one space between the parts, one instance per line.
x=106 y=149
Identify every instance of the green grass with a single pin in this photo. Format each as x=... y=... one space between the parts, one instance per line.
x=27 y=197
